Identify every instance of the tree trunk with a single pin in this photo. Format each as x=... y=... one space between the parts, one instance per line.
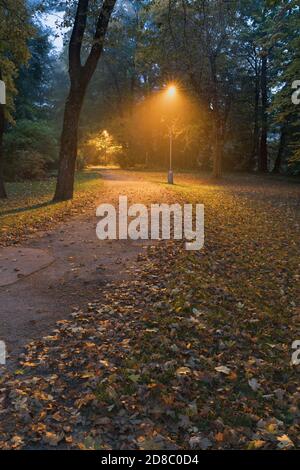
x=278 y=161
x=217 y=126
x=3 y=194
x=218 y=154
x=80 y=77
x=255 y=145
x=263 y=153
x=68 y=147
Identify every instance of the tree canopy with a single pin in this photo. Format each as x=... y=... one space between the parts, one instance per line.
x=233 y=63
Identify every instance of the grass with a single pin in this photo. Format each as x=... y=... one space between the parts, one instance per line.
x=30 y=208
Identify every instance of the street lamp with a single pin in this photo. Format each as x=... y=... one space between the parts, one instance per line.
x=171 y=93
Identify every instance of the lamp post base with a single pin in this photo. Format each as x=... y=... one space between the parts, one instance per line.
x=170 y=177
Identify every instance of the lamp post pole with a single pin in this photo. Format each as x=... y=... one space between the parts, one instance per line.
x=170 y=174
x=171 y=95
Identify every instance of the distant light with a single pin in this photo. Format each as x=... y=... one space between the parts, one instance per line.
x=105 y=133
x=171 y=91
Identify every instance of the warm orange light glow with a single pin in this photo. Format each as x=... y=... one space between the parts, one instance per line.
x=171 y=91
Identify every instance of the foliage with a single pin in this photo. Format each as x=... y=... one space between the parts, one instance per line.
x=15 y=31
x=36 y=79
x=30 y=149
x=29 y=207
x=213 y=51
x=100 y=148
x=286 y=70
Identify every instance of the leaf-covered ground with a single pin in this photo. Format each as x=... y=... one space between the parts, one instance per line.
x=194 y=353
x=30 y=207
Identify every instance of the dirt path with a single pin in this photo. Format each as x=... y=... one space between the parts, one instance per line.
x=82 y=265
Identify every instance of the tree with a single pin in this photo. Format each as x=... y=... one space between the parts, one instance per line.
x=263 y=152
x=15 y=30
x=3 y=194
x=214 y=51
x=269 y=36
x=80 y=77
x=35 y=80
x=199 y=44
x=285 y=114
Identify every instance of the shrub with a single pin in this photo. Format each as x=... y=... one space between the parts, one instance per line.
x=81 y=162
x=30 y=150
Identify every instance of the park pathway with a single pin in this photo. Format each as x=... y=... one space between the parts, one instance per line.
x=163 y=349
x=80 y=267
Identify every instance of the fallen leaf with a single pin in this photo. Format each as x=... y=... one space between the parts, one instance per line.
x=223 y=369
x=284 y=442
x=253 y=384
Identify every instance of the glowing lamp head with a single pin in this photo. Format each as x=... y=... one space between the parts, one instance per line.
x=171 y=91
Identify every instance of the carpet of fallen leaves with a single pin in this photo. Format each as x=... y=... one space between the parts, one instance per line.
x=194 y=353
x=30 y=209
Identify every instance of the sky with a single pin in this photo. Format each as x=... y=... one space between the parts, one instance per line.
x=51 y=20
